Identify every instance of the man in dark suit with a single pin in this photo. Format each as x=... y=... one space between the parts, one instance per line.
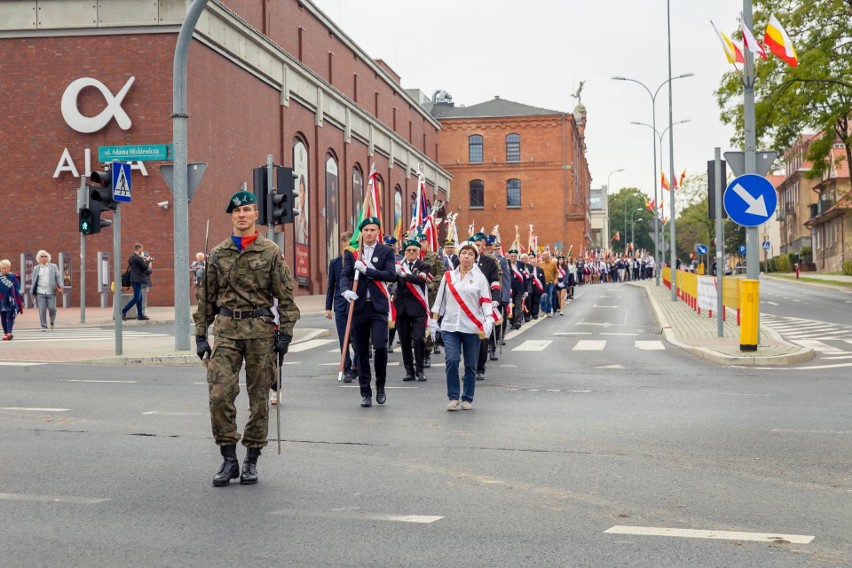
x=376 y=267
x=449 y=256
x=488 y=266
x=520 y=285
x=336 y=305
x=412 y=310
x=538 y=287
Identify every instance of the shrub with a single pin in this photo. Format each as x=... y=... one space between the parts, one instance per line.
x=847 y=267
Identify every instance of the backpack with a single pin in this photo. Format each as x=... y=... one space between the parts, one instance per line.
x=125 y=278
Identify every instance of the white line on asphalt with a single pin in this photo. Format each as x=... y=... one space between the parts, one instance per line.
x=356 y=386
x=610 y=367
x=795 y=299
x=837 y=358
x=51 y=498
x=589 y=345
x=358 y=515
x=507 y=366
x=96 y=381
x=786 y=431
x=26 y=409
x=718 y=535
x=655 y=345
x=163 y=413
x=817 y=345
x=615 y=333
x=335 y=350
x=599 y=306
x=292 y=362
x=770 y=303
x=573 y=333
x=813 y=368
x=533 y=345
x=310 y=344
x=337 y=364
x=19 y=364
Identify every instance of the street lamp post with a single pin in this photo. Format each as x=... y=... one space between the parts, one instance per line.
x=632 y=213
x=653 y=96
x=632 y=226
x=607 y=196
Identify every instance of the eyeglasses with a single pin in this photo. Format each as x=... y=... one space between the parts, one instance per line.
x=42 y=256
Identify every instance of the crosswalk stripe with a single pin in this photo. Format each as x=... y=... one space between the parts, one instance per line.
x=310 y=344
x=589 y=345
x=533 y=345
x=817 y=345
x=655 y=345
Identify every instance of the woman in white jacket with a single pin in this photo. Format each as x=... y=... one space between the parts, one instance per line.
x=464 y=303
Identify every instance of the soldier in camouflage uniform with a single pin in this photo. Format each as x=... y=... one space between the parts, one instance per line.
x=244 y=275
x=437 y=270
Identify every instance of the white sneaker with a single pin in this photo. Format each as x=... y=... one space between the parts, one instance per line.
x=466 y=405
x=273 y=398
x=453 y=405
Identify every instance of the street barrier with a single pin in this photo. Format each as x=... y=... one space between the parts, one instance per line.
x=688 y=292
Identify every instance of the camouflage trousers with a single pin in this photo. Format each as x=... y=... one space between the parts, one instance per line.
x=223 y=381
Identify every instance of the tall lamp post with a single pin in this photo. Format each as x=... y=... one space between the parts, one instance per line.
x=607 y=195
x=660 y=138
x=632 y=213
x=632 y=227
x=653 y=96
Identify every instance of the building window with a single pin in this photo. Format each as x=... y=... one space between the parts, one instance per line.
x=513 y=193
x=477 y=194
x=475 y=149
x=513 y=148
x=357 y=194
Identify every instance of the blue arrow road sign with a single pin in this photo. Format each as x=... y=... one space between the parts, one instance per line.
x=750 y=200
x=701 y=249
x=121 y=182
x=742 y=249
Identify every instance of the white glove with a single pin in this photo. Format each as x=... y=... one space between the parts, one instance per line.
x=495 y=304
x=349 y=295
x=526 y=294
x=360 y=266
x=399 y=269
x=488 y=327
x=433 y=326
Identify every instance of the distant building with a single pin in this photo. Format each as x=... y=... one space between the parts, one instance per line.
x=795 y=197
x=830 y=220
x=599 y=210
x=517 y=165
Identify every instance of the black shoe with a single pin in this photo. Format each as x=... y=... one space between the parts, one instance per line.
x=502 y=342
x=436 y=350
x=492 y=356
x=380 y=396
x=230 y=466
x=123 y=316
x=480 y=376
x=408 y=377
x=421 y=376
x=427 y=361
x=142 y=318
x=249 y=474
x=347 y=378
x=390 y=349
x=366 y=402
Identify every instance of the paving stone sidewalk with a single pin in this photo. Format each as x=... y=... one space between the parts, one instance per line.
x=697 y=333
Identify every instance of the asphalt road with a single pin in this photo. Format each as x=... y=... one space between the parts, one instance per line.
x=587 y=422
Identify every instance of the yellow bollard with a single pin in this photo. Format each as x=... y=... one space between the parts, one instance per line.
x=750 y=318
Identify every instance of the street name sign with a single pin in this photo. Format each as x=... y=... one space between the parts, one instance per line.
x=136 y=153
x=121 y=182
x=750 y=200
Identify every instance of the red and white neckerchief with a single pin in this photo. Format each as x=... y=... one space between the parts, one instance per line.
x=536 y=280
x=383 y=288
x=465 y=308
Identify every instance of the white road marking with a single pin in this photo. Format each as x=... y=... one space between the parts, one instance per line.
x=837 y=358
x=335 y=350
x=717 y=535
x=97 y=381
x=356 y=386
x=533 y=345
x=770 y=303
x=337 y=364
x=19 y=364
x=573 y=333
x=51 y=498
x=310 y=344
x=164 y=413
x=610 y=367
x=33 y=409
x=578 y=391
x=599 y=306
x=814 y=367
x=795 y=299
x=292 y=362
x=655 y=345
x=589 y=345
x=817 y=345
x=356 y=515
x=615 y=333
x=507 y=366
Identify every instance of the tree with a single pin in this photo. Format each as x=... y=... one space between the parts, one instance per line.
x=621 y=205
x=695 y=227
x=815 y=96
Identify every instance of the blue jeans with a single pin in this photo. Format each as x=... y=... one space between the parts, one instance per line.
x=454 y=343
x=545 y=299
x=136 y=301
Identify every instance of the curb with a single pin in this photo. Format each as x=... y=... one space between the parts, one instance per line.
x=802 y=355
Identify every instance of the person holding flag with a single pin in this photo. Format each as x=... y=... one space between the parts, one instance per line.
x=412 y=310
x=434 y=275
x=371 y=304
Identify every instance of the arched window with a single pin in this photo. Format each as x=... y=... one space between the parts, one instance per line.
x=357 y=193
x=397 y=214
x=305 y=203
x=513 y=193
x=475 y=149
x=477 y=194
x=513 y=147
x=332 y=228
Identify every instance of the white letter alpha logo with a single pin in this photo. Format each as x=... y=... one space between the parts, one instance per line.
x=89 y=124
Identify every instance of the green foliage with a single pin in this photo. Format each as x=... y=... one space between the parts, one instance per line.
x=621 y=205
x=847 y=267
x=815 y=96
x=694 y=227
x=807 y=254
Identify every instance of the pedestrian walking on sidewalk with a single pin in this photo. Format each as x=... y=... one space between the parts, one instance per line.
x=138 y=265
x=244 y=275
x=46 y=285
x=11 y=301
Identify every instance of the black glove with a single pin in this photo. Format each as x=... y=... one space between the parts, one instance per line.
x=202 y=348
x=282 y=344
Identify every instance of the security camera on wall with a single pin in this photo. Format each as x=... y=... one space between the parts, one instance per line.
x=163 y=204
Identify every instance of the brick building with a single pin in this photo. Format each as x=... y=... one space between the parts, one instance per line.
x=264 y=78
x=514 y=164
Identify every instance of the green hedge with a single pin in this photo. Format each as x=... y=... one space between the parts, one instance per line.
x=847 y=267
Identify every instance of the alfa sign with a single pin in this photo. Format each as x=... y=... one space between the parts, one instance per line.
x=88 y=124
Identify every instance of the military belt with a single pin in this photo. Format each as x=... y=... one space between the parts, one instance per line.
x=245 y=314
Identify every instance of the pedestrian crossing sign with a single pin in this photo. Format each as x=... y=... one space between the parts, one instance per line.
x=121 y=182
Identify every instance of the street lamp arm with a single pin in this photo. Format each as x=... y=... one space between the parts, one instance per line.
x=619 y=78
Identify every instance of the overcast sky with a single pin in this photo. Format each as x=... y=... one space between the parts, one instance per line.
x=536 y=53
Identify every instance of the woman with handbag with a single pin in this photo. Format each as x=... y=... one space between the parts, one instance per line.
x=11 y=301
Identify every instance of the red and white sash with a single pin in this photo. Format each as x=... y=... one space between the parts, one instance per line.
x=465 y=308
x=517 y=273
x=415 y=289
x=536 y=280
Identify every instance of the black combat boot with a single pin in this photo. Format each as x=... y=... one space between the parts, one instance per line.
x=230 y=466
x=249 y=474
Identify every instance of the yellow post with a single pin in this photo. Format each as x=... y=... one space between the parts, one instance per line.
x=749 y=319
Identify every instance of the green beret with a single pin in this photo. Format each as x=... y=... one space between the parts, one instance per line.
x=407 y=244
x=449 y=243
x=478 y=237
x=513 y=251
x=239 y=199
x=421 y=237
x=369 y=221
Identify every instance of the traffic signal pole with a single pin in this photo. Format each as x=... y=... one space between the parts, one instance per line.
x=116 y=278
x=83 y=195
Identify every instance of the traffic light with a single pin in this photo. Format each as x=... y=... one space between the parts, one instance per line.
x=100 y=200
x=260 y=188
x=283 y=198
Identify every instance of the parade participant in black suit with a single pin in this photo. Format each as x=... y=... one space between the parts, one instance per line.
x=449 y=256
x=537 y=287
x=375 y=263
x=412 y=310
x=519 y=288
x=489 y=268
